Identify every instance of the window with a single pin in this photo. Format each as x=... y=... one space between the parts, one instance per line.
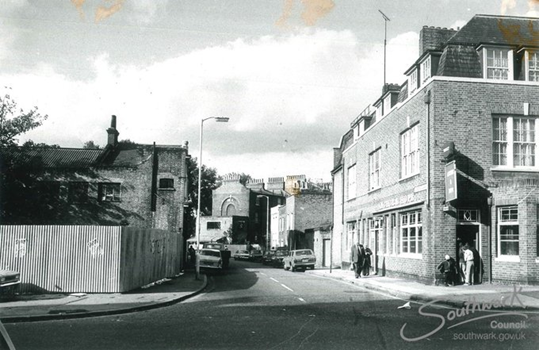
x=497 y=63
x=351 y=229
x=410 y=152
x=166 y=183
x=213 y=225
x=516 y=148
x=532 y=65
x=508 y=231
x=352 y=182
x=425 y=70
x=109 y=192
x=412 y=81
x=376 y=225
x=374 y=169
x=78 y=192
x=387 y=104
x=411 y=233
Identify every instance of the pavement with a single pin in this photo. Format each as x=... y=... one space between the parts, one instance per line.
x=41 y=307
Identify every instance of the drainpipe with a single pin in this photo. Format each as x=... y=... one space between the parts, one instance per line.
x=489 y=239
x=427 y=100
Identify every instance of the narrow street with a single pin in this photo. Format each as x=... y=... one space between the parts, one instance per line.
x=252 y=306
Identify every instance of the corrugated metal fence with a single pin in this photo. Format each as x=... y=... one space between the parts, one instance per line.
x=91 y=259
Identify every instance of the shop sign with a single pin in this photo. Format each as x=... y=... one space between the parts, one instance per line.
x=450 y=181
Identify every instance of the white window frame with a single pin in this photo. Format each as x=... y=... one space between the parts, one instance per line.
x=495 y=64
x=351 y=233
x=508 y=216
x=387 y=104
x=531 y=64
x=352 y=179
x=506 y=142
x=375 y=164
x=411 y=222
x=425 y=69
x=412 y=81
x=110 y=192
x=410 y=152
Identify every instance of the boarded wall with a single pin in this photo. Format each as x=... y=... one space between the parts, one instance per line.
x=90 y=259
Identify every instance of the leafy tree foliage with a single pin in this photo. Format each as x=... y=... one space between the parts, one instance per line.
x=210 y=181
x=90 y=145
x=15 y=121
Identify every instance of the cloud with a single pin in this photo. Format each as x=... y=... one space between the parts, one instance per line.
x=289 y=98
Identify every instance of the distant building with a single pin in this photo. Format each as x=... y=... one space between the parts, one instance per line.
x=448 y=157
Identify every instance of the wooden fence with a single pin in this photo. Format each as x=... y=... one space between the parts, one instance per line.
x=90 y=259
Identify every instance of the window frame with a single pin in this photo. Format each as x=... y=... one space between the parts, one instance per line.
x=505 y=146
x=513 y=222
x=217 y=226
x=528 y=67
x=410 y=152
x=166 y=183
x=375 y=165
x=425 y=69
x=408 y=225
x=412 y=81
x=351 y=181
x=510 y=62
x=103 y=197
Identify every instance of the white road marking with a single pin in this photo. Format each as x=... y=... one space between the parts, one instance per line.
x=262 y=273
x=273 y=279
x=287 y=287
x=301 y=299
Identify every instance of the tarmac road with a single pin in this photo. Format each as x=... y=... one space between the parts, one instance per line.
x=252 y=306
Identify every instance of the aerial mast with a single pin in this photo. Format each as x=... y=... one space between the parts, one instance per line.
x=385 y=42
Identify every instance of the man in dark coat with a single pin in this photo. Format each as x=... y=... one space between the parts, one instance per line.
x=357 y=258
x=478 y=266
x=367 y=262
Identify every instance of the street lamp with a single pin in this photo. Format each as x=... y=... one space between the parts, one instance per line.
x=219 y=120
x=267 y=219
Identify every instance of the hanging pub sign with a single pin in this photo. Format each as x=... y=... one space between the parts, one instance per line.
x=450 y=181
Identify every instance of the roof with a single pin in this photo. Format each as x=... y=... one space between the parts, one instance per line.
x=460 y=60
x=488 y=29
x=55 y=157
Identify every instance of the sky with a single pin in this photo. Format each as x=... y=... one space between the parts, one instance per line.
x=290 y=74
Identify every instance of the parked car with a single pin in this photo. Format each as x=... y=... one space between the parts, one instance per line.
x=255 y=255
x=9 y=281
x=242 y=255
x=211 y=258
x=274 y=257
x=299 y=259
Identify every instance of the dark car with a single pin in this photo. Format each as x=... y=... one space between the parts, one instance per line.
x=255 y=255
x=9 y=281
x=274 y=257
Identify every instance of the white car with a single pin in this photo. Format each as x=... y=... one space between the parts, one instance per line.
x=211 y=258
x=299 y=259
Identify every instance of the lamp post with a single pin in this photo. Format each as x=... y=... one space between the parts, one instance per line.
x=219 y=120
x=267 y=219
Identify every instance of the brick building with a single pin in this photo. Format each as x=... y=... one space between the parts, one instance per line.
x=448 y=157
x=121 y=184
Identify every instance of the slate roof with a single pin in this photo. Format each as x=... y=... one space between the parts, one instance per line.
x=487 y=29
x=55 y=157
x=460 y=61
x=79 y=158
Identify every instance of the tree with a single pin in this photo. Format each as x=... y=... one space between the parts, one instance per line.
x=210 y=181
x=90 y=145
x=244 y=178
x=15 y=121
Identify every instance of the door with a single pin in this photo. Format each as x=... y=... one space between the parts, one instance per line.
x=326 y=251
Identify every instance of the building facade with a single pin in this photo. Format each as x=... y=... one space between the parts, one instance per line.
x=448 y=157
x=123 y=184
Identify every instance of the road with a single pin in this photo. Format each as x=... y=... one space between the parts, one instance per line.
x=252 y=306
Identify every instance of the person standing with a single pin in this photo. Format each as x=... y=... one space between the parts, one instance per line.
x=357 y=259
x=461 y=264
x=367 y=263
x=192 y=255
x=478 y=266
x=470 y=268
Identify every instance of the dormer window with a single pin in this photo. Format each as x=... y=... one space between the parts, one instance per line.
x=498 y=63
x=387 y=104
x=532 y=65
x=425 y=71
x=412 y=81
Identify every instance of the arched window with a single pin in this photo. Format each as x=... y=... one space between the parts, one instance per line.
x=230 y=210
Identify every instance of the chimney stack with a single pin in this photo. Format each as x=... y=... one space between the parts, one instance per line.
x=434 y=38
x=112 y=133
